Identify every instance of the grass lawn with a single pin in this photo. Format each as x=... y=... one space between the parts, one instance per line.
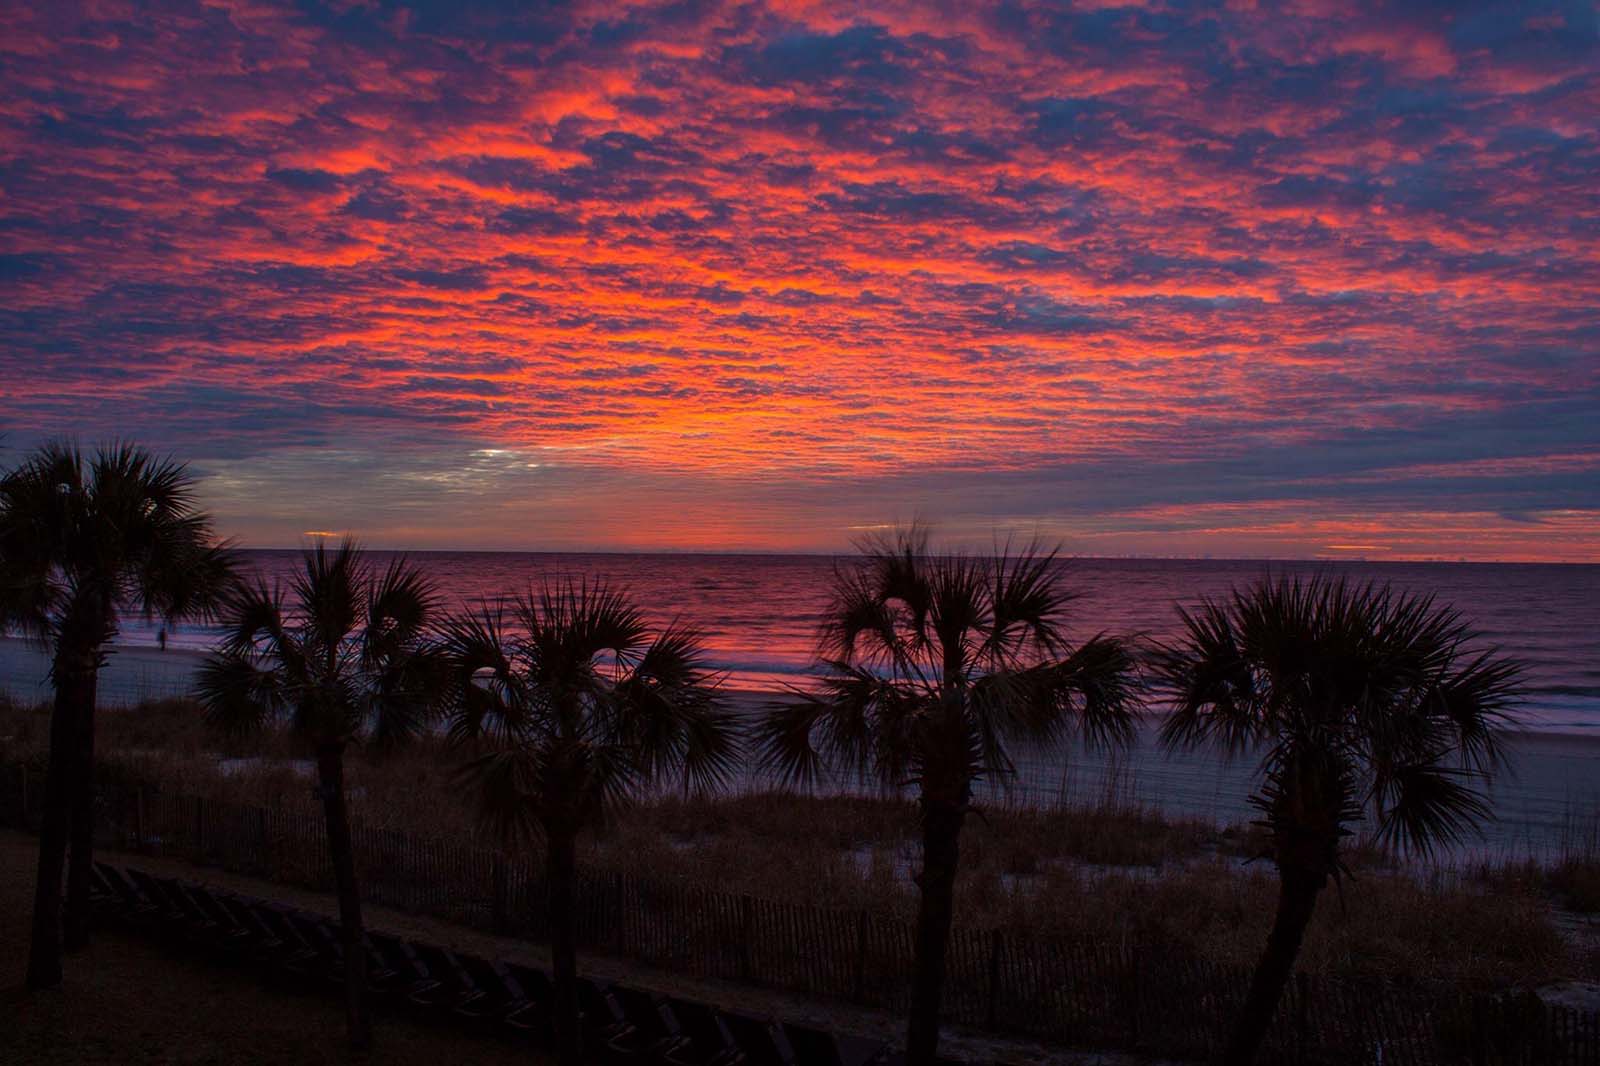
x=126 y=1000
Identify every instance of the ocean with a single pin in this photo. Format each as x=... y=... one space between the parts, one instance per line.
x=759 y=613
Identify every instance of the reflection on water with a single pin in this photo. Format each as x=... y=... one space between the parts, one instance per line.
x=759 y=613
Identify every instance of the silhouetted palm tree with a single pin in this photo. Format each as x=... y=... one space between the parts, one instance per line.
x=84 y=541
x=343 y=657
x=1365 y=701
x=933 y=665
x=569 y=707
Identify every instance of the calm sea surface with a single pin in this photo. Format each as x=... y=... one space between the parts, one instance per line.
x=759 y=612
x=759 y=615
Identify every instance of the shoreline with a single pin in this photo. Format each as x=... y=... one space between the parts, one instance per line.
x=1546 y=802
x=170 y=668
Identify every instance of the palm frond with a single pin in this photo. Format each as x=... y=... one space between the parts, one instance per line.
x=186 y=575
x=786 y=737
x=329 y=591
x=577 y=693
x=1099 y=683
x=254 y=621
x=1209 y=681
x=669 y=710
x=116 y=532
x=240 y=697
x=1477 y=699
x=1376 y=683
x=1426 y=806
x=1028 y=604
x=506 y=786
x=406 y=694
x=485 y=693
x=931 y=664
x=400 y=605
x=859 y=623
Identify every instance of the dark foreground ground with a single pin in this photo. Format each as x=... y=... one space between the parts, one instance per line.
x=127 y=1001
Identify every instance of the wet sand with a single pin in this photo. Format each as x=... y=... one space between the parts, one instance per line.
x=1547 y=801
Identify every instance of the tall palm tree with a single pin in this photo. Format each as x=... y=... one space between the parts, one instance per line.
x=342 y=657
x=84 y=541
x=1365 y=702
x=568 y=707
x=933 y=665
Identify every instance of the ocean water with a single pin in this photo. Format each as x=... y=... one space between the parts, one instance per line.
x=759 y=613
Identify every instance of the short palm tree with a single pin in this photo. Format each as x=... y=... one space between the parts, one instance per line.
x=934 y=665
x=1365 y=702
x=568 y=705
x=83 y=542
x=343 y=656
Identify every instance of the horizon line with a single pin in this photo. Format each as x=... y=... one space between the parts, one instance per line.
x=821 y=554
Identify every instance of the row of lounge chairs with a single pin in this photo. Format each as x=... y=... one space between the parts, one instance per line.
x=305 y=951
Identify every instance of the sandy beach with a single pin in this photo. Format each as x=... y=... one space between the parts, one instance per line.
x=131 y=674
x=1548 y=799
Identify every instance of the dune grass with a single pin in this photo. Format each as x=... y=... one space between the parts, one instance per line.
x=1090 y=870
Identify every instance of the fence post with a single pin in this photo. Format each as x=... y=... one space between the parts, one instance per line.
x=1133 y=995
x=263 y=844
x=138 y=819
x=746 y=916
x=199 y=826
x=26 y=823
x=500 y=919
x=859 y=984
x=1301 y=1025
x=618 y=891
x=996 y=941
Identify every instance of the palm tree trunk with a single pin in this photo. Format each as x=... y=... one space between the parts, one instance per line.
x=44 y=954
x=81 y=858
x=1297 y=899
x=562 y=849
x=941 y=857
x=330 y=774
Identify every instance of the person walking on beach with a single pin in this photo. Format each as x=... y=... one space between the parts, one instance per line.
x=161 y=638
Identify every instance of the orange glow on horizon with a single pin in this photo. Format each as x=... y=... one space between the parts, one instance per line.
x=760 y=276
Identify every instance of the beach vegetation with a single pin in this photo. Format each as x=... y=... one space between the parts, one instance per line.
x=931 y=664
x=85 y=539
x=339 y=657
x=1361 y=703
x=566 y=704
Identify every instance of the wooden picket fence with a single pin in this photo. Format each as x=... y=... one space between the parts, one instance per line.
x=1106 y=993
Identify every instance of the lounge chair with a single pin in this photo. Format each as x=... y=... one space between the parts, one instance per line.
x=651 y=1032
x=321 y=936
x=135 y=904
x=228 y=937
x=533 y=1021
x=296 y=957
x=598 y=1013
x=380 y=976
x=758 y=1040
x=263 y=944
x=502 y=994
x=455 y=986
x=411 y=976
x=103 y=897
x=163 y=909
x=705 y=1040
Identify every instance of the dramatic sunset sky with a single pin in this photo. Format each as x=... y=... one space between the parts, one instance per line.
x=1188 y=279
